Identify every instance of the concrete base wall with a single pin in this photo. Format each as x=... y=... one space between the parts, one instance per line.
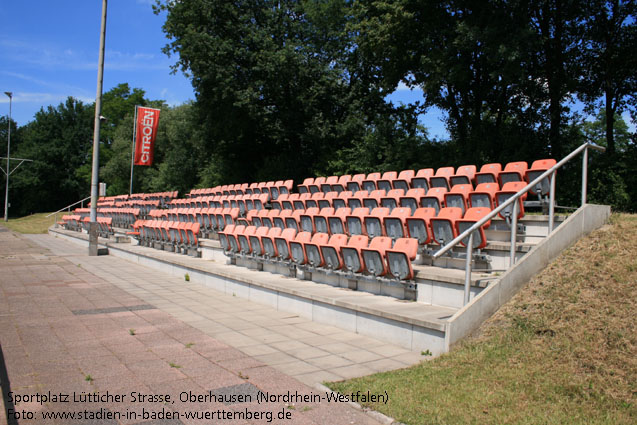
x=470 y=317
x=444 y=294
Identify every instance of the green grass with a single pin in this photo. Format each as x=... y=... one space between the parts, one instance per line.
x=35 y=223
x=562 y=351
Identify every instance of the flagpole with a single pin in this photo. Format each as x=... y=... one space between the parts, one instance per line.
x=132 y=157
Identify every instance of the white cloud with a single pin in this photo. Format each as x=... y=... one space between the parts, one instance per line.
x=44 y=98
x=49 y=56
x=402 y=86
x=59 y=87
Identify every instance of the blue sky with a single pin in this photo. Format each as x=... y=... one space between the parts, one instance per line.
x=49 y=51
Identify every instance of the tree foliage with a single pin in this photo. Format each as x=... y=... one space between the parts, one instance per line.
x=296 y=88
x=274 y=91
x=59 y=142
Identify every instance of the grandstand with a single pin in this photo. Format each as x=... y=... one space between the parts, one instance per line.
x=412 y=249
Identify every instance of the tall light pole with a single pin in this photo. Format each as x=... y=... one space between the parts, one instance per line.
x=6 y=193
x=92 y=240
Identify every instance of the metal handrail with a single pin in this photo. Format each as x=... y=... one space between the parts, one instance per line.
x=68 y=206
x=514 y=215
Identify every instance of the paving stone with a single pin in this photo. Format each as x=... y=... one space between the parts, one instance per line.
x=214 y=340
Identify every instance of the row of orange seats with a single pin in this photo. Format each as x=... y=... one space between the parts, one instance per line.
x=426 y=178
x=355 y=254
x=424 y=224
x=462 y=196
x=351 y=220
x=271 y=187
x=243 y=202
x=178 y=234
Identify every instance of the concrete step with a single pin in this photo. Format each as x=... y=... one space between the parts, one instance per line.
x=445 y=286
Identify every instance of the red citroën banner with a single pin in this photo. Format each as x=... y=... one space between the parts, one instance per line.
x=146 y=120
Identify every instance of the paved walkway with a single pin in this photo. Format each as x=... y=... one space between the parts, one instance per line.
x=72 y=324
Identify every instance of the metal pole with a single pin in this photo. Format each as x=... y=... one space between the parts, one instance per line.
x=552 y=203
x=514 y=232
x=92 y=249
x=6 y=193
x=584 y=174
x=132 y=155
x=467 y=268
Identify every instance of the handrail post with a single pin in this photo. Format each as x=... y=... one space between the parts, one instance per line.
x=584 y=174
x=467 y=276
x=552 y=202
x=514 y=231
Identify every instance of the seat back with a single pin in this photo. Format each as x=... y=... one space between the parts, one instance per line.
x=392 y=199
x=537 y=168
x=320 y=220
x=400 y=256
x=352 y=253
x=244 y=239
x=419 y=225
x=403 y=181
x=443 y=226
x=396 y=224
x=256 y=240
x=297 y=251
x=484 y=195
x=337 y=221
x=374 y=255
x=465 y=174
x=313 y=250
x=279 y=221
x=489 y=173
x=458 y=196
x=306 y=219
x=412 y=198
x=513 y=172
x=354 y=185
x=508 y=190
x=282 y=243
x=331 y=251
x=269 y=248
x=421 y=180
x=354 y=221
x=471 y=217
x=435 y=198
x=374 y=222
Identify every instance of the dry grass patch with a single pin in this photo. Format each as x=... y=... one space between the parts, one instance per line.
x=564 y=350
x=34 y=223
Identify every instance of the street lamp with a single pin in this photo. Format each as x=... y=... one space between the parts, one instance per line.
x=6 y=194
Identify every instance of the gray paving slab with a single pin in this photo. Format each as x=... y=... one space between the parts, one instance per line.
x=113 y=346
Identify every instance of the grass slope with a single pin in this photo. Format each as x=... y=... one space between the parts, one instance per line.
x=562 y=351
x=35 y=223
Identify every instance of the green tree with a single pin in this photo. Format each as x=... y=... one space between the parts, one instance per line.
x=610 y=64
x=612 y=176
x=475 y=71
x=273 y=91
x=117 y=103
x=16 y=135
x=59 y=141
